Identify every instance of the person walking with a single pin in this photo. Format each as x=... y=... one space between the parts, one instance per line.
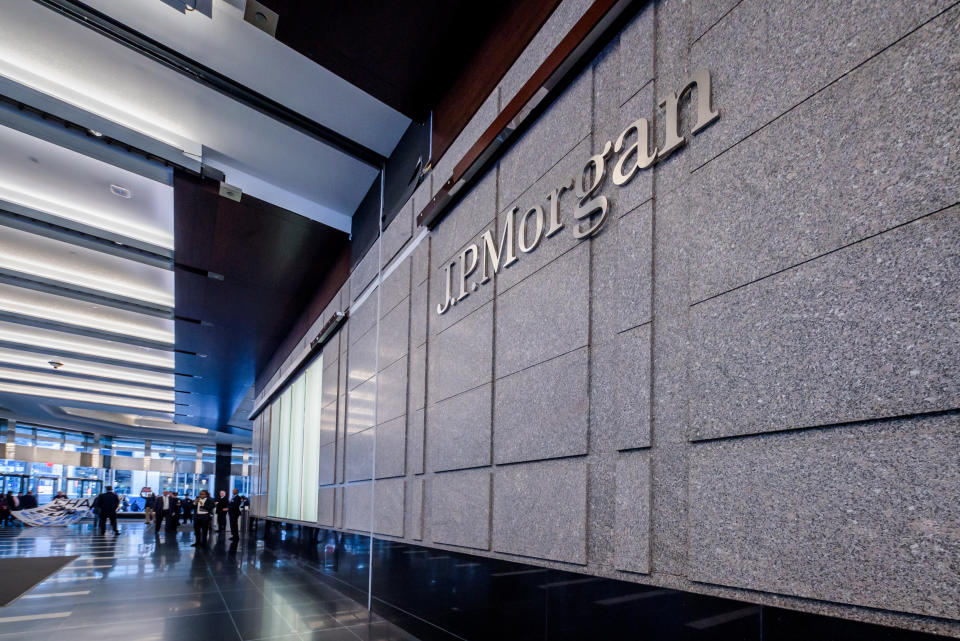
x=236 y=507
x=149 y=504
x=29 y=501
x=107 y=504
x=201 y=522
x=223 y=507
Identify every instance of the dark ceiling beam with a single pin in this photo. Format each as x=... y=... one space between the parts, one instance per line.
x=206 y=76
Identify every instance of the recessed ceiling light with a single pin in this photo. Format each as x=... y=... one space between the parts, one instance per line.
x=94 y=132
x=122 y=192
x=86 y=397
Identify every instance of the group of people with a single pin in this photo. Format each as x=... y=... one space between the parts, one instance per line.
x=10 y=503
x=169 y=509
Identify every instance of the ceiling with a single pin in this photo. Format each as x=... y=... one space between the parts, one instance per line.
x=135 y=299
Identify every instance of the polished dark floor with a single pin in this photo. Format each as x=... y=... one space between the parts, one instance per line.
x=135 y=587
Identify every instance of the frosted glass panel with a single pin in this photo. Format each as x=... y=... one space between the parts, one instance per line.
x=274 y=410
x=283 y=473
x=311 y=441
x=295 y=481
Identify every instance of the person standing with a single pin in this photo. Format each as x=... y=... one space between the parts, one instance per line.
x=107 y=503
x=223 y=507
x=29 y=501
x=201 y=522
x=236 y=506
x=160 y=511
x=188 y=506
x=173 y=517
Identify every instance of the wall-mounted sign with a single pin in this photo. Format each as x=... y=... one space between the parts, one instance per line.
x=629 y=154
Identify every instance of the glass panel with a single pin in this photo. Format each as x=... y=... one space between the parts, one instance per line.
x=311 y=441
x=274 y=457
x=294 y=484
x=283 y=467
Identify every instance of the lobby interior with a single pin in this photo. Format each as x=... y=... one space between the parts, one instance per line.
x=516 y=319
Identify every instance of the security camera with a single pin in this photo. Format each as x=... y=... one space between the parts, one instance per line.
x=55 y=364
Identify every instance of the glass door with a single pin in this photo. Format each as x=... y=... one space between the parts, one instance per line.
x=14 y=483
x=89 y=488
x=73 y=488
x=45 y=488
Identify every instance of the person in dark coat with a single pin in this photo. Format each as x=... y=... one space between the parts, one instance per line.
x=106 y=504
x=237 y=503
x=29 y=501
x=188 y=506
x=205 y=507
x=173 y=514
x=223 y=507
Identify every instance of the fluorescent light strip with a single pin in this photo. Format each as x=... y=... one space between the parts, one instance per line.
x=55 y=380
x=84 y=397
x=86 y=217
x=72 y=276
x=101 y=351
x=10 y=357
x=85 y=321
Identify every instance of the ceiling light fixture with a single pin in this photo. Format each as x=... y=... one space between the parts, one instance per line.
x=92 y=347
x=56 y=380
x=97 y=323
x=80 y=368
x=87 y=281
x=68 y=211
x=86 y=397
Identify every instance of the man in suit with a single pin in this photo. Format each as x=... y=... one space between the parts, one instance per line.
x=173 y=518
x=235 y=508
x=160 y=511
x=188 y=506
x=223 y=507
x=29 y=501
x=205 y=507
x=107 y=503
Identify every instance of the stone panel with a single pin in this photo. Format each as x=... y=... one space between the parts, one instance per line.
x=325 y=507
x=392 y=448
x=419 y=311
x=420 y=261
x=556 y=133
x=540 y=510
x=328 y=424
x=549 y=249
x=858 y=515
x=330 y=382
x=461 y=357
x=362 y=319
x=398 y=232
x=865 y=332
x=361 y=408
x=415 y=434
x=388 y=507
x=460 y=508
x=458 y=431
x=356 y=507
x=392 y=391
x=418 y=378
x=394 y=334
x=543 y=411
x=620 y=391
x=622 y=273
x=466 y=220
x=365 y=271
x=413 y=516
x=458 y=310
x=328 y=461
x=359 y=455
x=766 y=206
x=546 y=315
x=395 y=288
x=632 y=530
x=465 y=139
x=362 y=358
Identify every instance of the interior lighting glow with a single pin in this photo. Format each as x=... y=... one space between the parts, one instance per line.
x=56 y=380
x=26 y=359
x=92 y=348
x=86 y=397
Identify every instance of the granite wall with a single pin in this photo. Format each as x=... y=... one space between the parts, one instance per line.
x=745 y=384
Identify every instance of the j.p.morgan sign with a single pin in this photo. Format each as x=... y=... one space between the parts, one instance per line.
x=627 y=156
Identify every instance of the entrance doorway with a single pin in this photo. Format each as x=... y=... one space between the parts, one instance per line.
x=83 y=488
x=15 y=483
x=45 y=487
